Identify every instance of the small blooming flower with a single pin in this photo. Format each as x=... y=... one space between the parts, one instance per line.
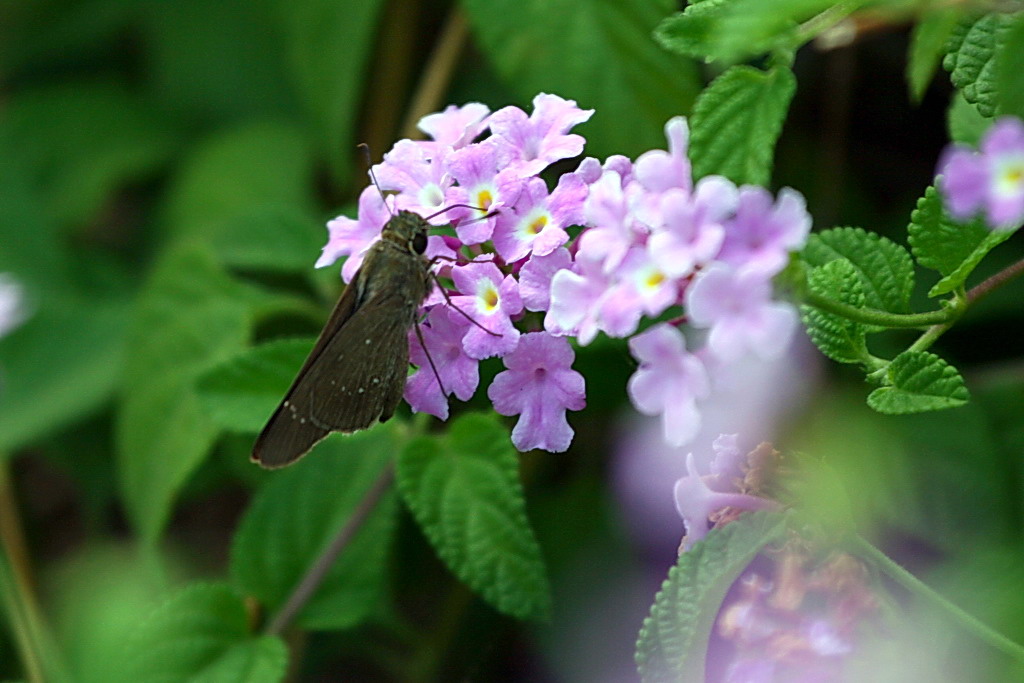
x=609 y=213
x=538 y=220
x=455 y=127
x=543 y=137
x=762 y=234
x=419 y=175
x=539 y=385
x=460 y=374
x=486 y=183
x=576 y=299
x=991 y=180
x=490 y=299
x=691 y=233
x=642 y=288
x=352 y=238
x=658 y=170
x=737 y=306
x=696 y=502
x=668 y=382
x=535 y=278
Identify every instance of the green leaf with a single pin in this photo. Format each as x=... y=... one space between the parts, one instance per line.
x=300 y=511
x=83 y=141
x=673 y=641
x=839 y=338
x=241 y=393
x=190 y=317
x=884 y=268
x=689 y=32
x=965 y=124
x=970 y=59
x=736 y=122
x=60 y=365
x=753 y=27
x=927 y=43
x=920 y=381
x=270 y=237
x=1009 y=68
x=329 y=45
x=943 y=244
x=464 y=491
x=202 y=634
x=599 y=53
x=234 y=174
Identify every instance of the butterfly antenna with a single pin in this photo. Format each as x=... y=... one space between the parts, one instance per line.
x=369 y=167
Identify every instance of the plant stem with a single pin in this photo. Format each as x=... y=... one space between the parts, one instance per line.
x=437 y=74
x=318 y=570
x=825 y=20
x=870 y=316
x=918 y=588
x=38 y=654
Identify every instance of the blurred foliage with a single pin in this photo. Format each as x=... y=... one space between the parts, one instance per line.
x=165 y=172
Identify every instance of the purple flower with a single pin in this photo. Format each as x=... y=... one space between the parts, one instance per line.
x=352 y=238
x=543 y=138
x=690 y=232
x=535 y=278
x=485 y=182
x=991 y=181
x=695 y=503
x=539 y=386
x=658 y=170
x=668 y=382
x=490 y=299
x=727 y=465
x=576 y=299
x=537 y=222
x=418 y=173
x=455 y=127
x=608 y=210
x=737 y=306
x=642 y=287
x=460 y=374
x=761 y=235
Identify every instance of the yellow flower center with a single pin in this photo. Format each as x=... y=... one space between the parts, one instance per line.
x=484 y=199
x=655 y=279
x=536 y=225
x=490 y=298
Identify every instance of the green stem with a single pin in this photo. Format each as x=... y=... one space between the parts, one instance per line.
x=870 y=316
x=823 y=21
x=967 y=621
x=37 y=650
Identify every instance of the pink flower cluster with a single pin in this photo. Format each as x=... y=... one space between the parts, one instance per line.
x=651 y=240
x=990 y=180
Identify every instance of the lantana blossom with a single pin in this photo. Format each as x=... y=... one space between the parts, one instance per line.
x=442 y=333
x=489 y=298
x=352 y=238
x=543 y=137
x=539 y=385
x=989 y=181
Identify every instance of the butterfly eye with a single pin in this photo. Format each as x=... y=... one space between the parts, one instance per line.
x=419 y=243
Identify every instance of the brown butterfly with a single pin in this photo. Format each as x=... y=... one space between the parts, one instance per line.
x=355 y=374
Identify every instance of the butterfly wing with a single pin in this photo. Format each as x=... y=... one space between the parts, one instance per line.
x=356 y=372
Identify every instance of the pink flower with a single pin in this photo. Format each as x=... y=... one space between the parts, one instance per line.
x=576 y=299
x=455 y=127
x=352 y=238
x=762 y=234
x=543 y=138
x=539 y=386
x=690 y=231
x=490 y=299
x=737 y=306
x=535 y=278
x=991 y=180
x=658 y=170
x=608 y=210
x=695 y=502
x=417 y=172
x=460 y=374
x=668 y=382
x=485 y=182
x=537 y=222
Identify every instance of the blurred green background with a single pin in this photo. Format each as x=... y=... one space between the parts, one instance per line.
x=166 y=170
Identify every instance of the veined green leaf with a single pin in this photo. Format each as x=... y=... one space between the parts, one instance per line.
x=838 y=338
x=919 y=381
